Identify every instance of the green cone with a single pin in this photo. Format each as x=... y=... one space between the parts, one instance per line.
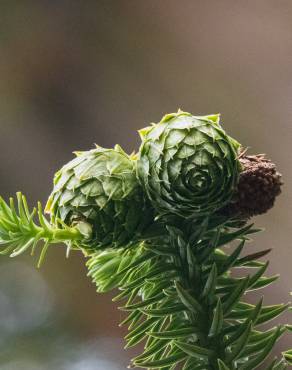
x=188 y=165
x=100 y=187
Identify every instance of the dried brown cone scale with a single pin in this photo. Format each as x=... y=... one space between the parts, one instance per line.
x=259 y=185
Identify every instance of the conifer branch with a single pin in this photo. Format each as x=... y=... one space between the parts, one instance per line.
x=190 y=310
x=20 y=232
x=157 y=226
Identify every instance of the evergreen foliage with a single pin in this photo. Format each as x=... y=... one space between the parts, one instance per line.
x=184 y=302
x=160 y=237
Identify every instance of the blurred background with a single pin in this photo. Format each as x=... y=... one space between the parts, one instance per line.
x=75 y=73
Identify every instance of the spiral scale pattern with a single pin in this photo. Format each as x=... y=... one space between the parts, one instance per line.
x=188 y=165
x=100 y=187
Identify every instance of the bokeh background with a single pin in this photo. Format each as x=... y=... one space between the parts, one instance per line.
x=75 y=73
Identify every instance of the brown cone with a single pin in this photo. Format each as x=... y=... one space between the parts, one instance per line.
x=259 y=184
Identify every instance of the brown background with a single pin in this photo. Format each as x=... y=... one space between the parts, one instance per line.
x=74 y=73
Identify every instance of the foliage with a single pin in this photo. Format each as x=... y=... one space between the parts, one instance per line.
x=19 y=232
x=159 y=235
x=185 y=303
